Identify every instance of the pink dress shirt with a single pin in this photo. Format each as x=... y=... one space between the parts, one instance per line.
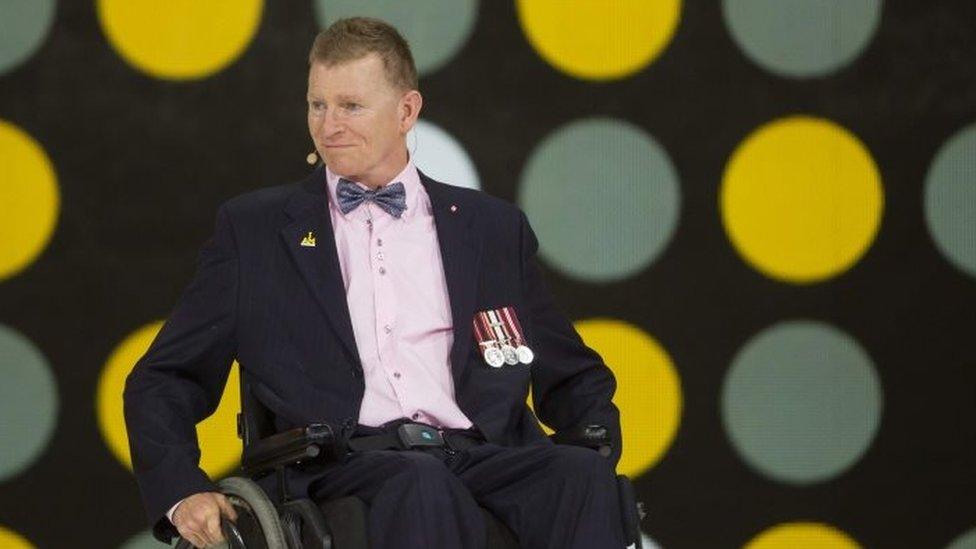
x=399 y=307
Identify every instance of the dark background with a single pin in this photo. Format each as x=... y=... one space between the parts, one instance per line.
x=143 y=164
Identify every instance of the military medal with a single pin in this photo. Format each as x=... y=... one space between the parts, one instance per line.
x=501 y=329
x=494 y=356
x=500 y=335
x=510 y=354
x=491 y=352
x=522 y=352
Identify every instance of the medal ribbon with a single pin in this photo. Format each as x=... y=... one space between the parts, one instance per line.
x=479 y=331
x=500 y=327
x=484 y=330
x=512 y=321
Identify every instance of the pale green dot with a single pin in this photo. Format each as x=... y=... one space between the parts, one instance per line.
x=802 y=38
x=801 y=402
x=440 y=156
x=603 y=198
x=23 y=26
x=435 y=29
x=143 y=540
x=965 y=541
x=950 y=199
x=28 y=403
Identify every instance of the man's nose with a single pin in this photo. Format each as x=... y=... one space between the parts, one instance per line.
x=329 y=124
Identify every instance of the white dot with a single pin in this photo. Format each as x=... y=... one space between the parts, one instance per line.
x=436 y=153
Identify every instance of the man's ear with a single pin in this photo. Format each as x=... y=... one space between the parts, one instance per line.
x=410 y=105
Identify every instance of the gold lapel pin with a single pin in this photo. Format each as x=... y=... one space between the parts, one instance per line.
x=309 y=240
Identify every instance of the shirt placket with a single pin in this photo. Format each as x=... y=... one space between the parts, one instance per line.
x=386 y=310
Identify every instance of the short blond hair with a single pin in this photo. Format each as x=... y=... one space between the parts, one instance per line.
x=356 y=37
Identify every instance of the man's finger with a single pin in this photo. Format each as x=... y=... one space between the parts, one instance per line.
x=191 y=536
x=201 y=528
x=196 y=540
x=227 y=508
x=214 y=534
x=204 y=537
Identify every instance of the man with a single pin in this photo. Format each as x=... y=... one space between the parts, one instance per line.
x=371 y=294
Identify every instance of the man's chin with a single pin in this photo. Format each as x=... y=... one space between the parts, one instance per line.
x=340 y=168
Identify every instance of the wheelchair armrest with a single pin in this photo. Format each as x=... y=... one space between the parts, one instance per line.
x=287 y=448
x=596 y=437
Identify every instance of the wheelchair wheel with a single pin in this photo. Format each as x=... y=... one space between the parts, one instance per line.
x=257 y=518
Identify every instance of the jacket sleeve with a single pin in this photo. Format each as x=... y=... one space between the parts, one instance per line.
x=571 y=385
x=180 y=380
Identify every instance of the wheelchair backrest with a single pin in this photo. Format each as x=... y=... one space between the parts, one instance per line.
x=255 y=421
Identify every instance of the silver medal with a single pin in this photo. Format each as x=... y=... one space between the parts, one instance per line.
x=510 y=354
x=494 y=357
x=525 y=355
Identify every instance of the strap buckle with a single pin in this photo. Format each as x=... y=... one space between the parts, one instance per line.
x=412 y=435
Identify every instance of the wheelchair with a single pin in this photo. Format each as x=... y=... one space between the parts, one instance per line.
x=278 y=521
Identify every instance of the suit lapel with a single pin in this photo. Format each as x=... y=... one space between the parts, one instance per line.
x=319 y=264
x=457 y=234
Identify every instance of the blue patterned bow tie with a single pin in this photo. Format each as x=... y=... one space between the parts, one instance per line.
x=391 y=198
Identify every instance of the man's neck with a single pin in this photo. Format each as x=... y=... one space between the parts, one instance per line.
x=395 y=167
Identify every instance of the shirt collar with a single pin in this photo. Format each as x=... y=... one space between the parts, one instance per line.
x=408 y=176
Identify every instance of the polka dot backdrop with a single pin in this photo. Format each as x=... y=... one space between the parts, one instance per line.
x=435 y=29
x=619 y=225
x=802 y=38
x=599 y=41
x=182 y=39
x=801 y=199
x=13 y=540
x=25 y=24
x=441 y=156
x=802 y=535
x=29 y=193
x=783 y=397
x=217 y=434
x=29 y=400
x=762 y=214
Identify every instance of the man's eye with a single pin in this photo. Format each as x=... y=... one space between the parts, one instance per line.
x=316 y=105
x=352 y=107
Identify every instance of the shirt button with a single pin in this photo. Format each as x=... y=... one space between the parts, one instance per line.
x=387 y=328
x=396 y=375
x=416 y=415
x=382 y=270
x=379 y=256
x=379 y=241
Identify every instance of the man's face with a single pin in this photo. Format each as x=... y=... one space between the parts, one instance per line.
x=359 y=120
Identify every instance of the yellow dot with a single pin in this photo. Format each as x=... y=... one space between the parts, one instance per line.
x=548 y=430
x=648 y=390
x=219 y=446
x=802 y=535
x=801 y=199
x=12 y=540
x=596 y=39
x=29 y=200
x=180 y=39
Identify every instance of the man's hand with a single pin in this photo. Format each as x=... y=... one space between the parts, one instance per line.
x=197 y=518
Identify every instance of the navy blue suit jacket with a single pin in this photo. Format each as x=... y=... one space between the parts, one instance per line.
x=280 y=310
